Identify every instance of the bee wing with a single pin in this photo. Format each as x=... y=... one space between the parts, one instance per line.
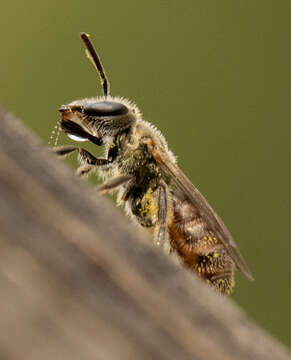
x=212 y=220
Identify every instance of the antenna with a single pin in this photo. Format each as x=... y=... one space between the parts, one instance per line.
x=94 y=58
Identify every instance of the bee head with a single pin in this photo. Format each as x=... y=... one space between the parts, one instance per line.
x=97 y=119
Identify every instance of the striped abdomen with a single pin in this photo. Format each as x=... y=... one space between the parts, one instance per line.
x=197 y=246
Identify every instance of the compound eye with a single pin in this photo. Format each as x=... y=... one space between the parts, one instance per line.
x=105 y=108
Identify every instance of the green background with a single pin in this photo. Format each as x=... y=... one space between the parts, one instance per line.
x=211 y=75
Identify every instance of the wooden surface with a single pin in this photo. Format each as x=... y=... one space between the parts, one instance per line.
x=77 y=281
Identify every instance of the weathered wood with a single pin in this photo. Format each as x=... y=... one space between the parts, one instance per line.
x=79 y=282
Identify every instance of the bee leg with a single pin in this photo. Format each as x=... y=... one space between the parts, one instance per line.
x=114 y=183
x=84 y=156
x=162 y=215
x=87 y=158
x=163 y=219
x=89 y=162
x=84 y=170
x=63 y=151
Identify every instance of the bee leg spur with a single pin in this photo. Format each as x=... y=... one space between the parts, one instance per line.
x=113 y=183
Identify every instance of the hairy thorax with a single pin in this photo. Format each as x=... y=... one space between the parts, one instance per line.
x=140 y=196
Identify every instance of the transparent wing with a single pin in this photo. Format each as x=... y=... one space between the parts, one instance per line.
x=194 y=196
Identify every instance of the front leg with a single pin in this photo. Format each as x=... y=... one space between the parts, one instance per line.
x=88 y=161
x=84 y=155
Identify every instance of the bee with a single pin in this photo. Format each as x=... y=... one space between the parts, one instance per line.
x=154 y=191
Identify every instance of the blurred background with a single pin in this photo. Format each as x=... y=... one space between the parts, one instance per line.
x=212 y=76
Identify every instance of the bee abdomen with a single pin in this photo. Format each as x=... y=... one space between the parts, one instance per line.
x=222 y=282
x=216 y=260
x=216 y=268
x=205 y=254
x=195 y=237
x=194 y=227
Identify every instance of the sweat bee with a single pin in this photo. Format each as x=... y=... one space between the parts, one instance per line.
x=153 y=190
